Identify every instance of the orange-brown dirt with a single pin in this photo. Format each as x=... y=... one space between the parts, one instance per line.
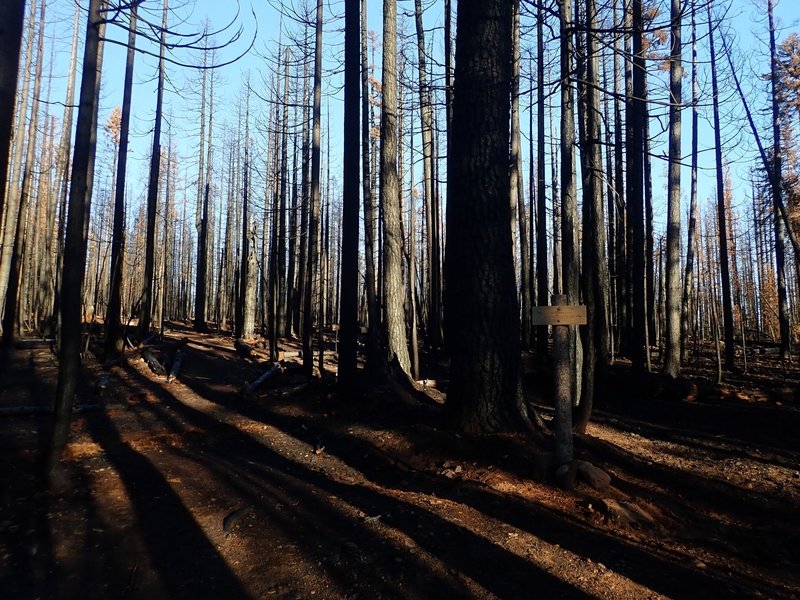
x=191 y=489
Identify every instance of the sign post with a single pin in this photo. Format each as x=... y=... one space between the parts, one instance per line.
x=561 y=316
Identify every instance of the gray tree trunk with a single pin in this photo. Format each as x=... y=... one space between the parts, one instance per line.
x=722 y=222
x=10 y=322
x=672 y=355
x=373 y=316
x=348 y=309
x=777 y=201
x=115 y=338
x=314 y=208
x=542 y=295
x=517 y=186
x=75 y=244
x=482 y=308
x=393 y=311
x=152 y=188
x=12 y=14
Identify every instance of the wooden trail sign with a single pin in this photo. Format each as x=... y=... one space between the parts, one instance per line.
x=561 y=315
x=558 y=315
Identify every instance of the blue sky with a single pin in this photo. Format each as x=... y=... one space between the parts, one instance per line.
x=748 y=25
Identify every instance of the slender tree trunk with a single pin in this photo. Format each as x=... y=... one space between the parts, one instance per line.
x=8 y=225
x=202 y=221
x=426 y=115
x=314 y=208
x=569 y=202
x=349 y=270
x=651 y=329
x=165 y=273
x=542 y=295
x=393 y=312
x=691 y=244
x=722 y=225
x=635 y=195
x=448 y=66
x=115 y=335
x=152 y=189
x=10 y=323
x=291 y=276
x=777 y=201
x=12 y=14
x=672 y=356
x=595 y=273
x=247 y=270
x=64 y=166
x=373 y=319
x=75 y=245
x=516 y=184
x=305 y=197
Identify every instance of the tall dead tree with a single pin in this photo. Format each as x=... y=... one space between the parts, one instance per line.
x=433 y=259
x=595 y=270
x=517 y=186
x=114 y=341
x=80 y=198
x=722 y=222
x=672 y=356
x=145 y=315
x=393 y=310
x=314 y=210
x=373 y=316
x=64 y=165
x=569 y=201
x=12 y=15
x=203 y=188
x=8 y=225
x=777 y=201
x=350 y=184
x=15 y=268
x=542 y=297
x=635 y=191
x=692 y=241
x=482 y=308
x=245 y=326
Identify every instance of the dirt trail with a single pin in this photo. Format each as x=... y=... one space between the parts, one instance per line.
x=188 y=489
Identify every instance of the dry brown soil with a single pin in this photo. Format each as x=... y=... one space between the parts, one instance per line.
x=189 y=489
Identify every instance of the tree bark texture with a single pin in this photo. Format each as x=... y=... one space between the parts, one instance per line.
x=722 y=222
x=777 y=201
x=314 y=208
x=11 y=16
x=482 y=311
x=348 y=312
x=114 y=331
x=393 y=310
x=75 y=244
x=672 y=356
x=152 y=188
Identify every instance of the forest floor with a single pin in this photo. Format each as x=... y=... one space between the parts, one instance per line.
x=190 y=489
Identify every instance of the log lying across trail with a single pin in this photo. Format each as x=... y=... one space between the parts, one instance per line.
x=176 y=365
x=270 y=372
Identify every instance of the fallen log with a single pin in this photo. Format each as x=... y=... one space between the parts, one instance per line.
x=113 y=362
x=153 y=362
x=148 y=340
x=273 y=370
x=243 y=348
x=176 y=366
x=594 y=476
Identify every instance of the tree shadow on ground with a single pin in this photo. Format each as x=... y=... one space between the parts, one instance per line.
x=324 y=527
